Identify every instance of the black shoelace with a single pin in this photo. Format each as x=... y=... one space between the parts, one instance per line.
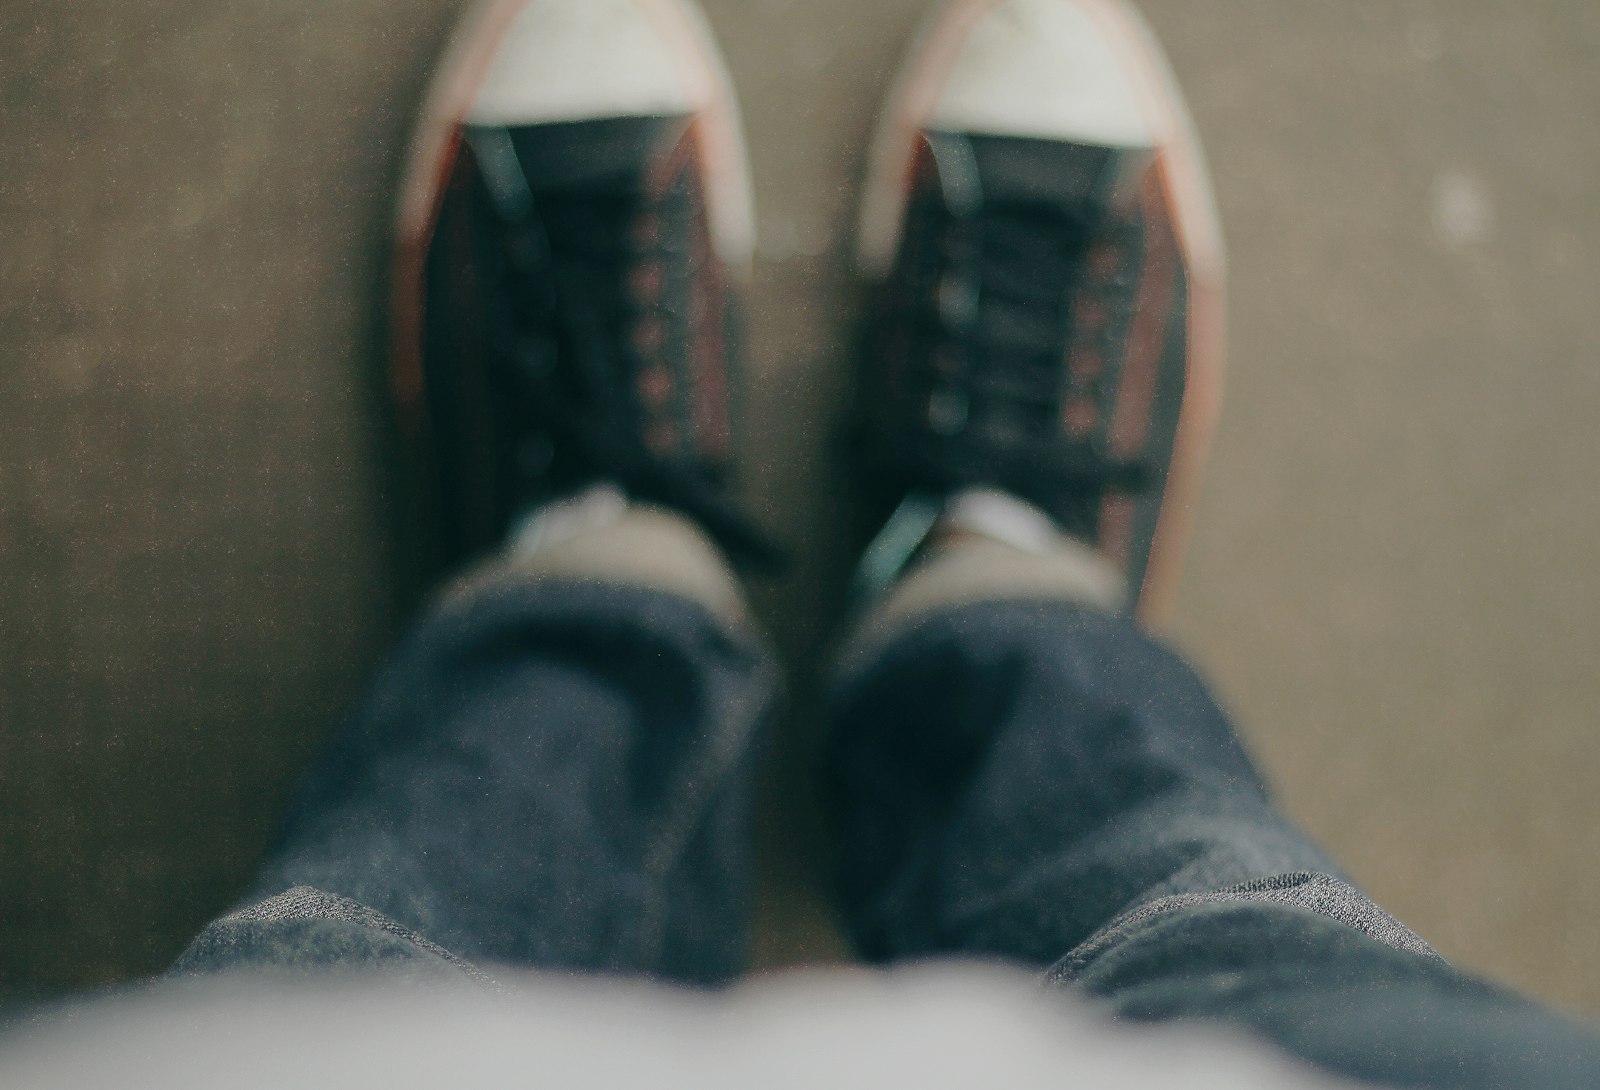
x=996 y=331
x=563 y=341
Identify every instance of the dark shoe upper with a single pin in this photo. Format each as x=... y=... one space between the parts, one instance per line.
x=1040 y=236
x=1031 y=333
x=575 y=222
x=579 y=326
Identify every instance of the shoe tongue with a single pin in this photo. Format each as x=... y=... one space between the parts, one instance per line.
x=571 y=154
x=1012 y=170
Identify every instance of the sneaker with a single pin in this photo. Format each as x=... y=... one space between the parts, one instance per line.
x=575 y=230
x=1047 y=268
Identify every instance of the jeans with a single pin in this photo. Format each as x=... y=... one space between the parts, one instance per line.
x=557 y=774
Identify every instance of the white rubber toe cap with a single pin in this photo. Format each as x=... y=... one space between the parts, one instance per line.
x=1043 y=68
x=569 y=60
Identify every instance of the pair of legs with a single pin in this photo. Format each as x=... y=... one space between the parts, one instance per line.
x=555 y=771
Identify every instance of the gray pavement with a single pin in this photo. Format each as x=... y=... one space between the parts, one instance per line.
x=1395 y=580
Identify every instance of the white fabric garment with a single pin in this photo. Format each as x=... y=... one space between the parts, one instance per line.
x=932 y=1028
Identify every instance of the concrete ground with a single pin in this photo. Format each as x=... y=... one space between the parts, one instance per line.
x=1395 y=581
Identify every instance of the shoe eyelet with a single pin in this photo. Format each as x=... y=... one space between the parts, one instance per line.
x=1086 y=365
x=1079 y=416
x=957 y=302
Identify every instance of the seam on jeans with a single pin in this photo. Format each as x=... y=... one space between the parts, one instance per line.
x=681 y=817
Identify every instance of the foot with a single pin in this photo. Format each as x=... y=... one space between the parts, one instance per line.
x=575 y=228
x=1047 y=264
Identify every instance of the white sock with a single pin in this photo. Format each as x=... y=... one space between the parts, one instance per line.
x=596 y=507
x=1001 y=516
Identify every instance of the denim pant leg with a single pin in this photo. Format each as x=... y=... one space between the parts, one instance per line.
x=1035 y=782
x=550 y=774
